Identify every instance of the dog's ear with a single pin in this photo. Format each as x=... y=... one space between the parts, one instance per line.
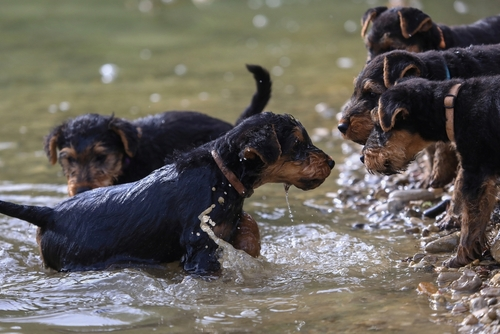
x=368 y=17
x=389 y=110
x=261 y=143
x=412 y=21
x=400 y=64
x=50 y=144
x=130 y=135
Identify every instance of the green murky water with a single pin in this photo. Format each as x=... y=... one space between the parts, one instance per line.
x=59 y=59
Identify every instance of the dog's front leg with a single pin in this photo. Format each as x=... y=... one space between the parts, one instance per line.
x=445 y=165
x=453 y=216
x=201 y=257
x=479 y=200
x=247 y=236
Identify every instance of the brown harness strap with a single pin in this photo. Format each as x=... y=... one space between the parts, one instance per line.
x=449 y=105
x=233 y=180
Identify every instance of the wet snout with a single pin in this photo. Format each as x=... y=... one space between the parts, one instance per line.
x=343 y=126
x=316 y=168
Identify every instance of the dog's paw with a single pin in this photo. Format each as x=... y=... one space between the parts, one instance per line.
x=453 y=262
x=448 y=222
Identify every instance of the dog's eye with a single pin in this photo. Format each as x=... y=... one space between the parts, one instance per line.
x=100 y=158
x=70 y=160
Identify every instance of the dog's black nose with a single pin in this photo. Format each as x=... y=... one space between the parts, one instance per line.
x=362 y=158
x=343 y=127
x=80 y=190
x=331 y=163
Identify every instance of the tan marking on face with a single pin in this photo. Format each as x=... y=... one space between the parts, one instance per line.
x=360 y=126
x=305 y=174
x=371 y=86
x=92 y=168
x=399 y=150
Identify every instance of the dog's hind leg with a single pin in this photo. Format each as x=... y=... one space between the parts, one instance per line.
x=479 y=200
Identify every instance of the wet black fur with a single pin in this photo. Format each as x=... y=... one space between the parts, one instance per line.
x=161 y=134
x=461 y=63
x=477 y=140
x=155 y=219
x=476 y=121
x=484 y=31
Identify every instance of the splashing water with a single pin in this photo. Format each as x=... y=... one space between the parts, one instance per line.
x=237 y=264
x=290 y=214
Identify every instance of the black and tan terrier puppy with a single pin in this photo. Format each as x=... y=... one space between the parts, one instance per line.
x=407 y=28
x=99 y=151
x=156 y=219
x=383 y=71
x=416 y=113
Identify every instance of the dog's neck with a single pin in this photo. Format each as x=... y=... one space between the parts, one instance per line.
x=231 y=177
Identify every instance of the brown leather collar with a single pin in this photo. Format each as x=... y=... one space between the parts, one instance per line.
x=449 y=105
x=233 y=179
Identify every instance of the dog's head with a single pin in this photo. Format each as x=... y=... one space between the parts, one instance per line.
x=274 y=148
x=399 y=28
x=377 y=76
x=396 y=139
x=92 y=150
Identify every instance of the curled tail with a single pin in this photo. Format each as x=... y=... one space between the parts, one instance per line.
x=36 y=215
x=261 y=96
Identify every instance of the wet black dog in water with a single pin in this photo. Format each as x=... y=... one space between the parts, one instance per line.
x=156 y=219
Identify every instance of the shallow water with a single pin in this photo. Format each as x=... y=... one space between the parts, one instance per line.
x=316 y=273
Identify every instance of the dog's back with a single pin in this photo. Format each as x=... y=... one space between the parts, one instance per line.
x=410 y=29
x=98 y=151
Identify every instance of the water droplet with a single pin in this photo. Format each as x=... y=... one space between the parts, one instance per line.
x=180 y=69
x=155 y=97
x=203 y=96
x=345 y=62
x=108 y=72
x=64 y=106
x=145 y=54
x=260 y=21
x=461 y=7
x=290 y=214
x=277 y=71
x=350 y=26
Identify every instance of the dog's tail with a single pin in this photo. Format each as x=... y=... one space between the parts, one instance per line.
x=261 y=96
x=36 y=215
